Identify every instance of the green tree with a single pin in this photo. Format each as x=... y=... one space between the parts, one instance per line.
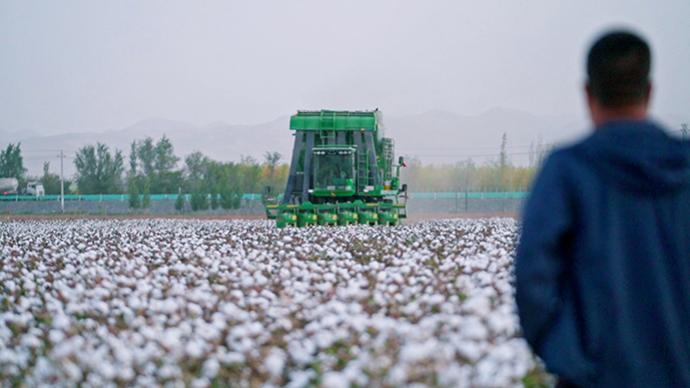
x=467 y=175
x=503 y=164
x=12 y=163
x=146 y=153
x=196 y=166
x=236 y=199
x=132 y=160
x=50 y=182
x=215 y=201
x=166 y=179
x=272 y=159
x=146 y=196
x=133 y=194
x=250 y=175
x=179 y=202
x=226 y=196
x=98 y=170
x=199 y=201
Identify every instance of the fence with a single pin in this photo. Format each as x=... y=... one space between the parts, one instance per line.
x=104 y=197
x=257 y=197
x=419 y=203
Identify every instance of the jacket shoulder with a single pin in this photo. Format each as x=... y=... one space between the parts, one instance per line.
x=575 y=152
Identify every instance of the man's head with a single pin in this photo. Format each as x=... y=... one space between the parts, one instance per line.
x=618 y=84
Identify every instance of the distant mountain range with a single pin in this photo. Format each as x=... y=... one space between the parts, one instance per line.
x=433 y=137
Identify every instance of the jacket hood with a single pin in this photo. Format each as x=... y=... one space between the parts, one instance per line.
x=641 y=156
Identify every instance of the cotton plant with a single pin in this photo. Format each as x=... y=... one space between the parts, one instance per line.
x=197 y=303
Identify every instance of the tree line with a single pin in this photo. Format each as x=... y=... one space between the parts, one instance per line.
x=152 y=167
x=499 y=174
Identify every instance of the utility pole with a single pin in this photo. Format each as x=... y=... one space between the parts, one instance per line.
x=62 y=182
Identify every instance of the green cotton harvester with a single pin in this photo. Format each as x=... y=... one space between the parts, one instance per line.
x=342 y=172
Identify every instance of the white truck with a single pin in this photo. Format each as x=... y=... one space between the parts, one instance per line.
x=8 y=186
x=35 y=188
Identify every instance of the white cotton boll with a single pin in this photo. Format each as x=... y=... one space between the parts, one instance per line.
x=170 y=338
x=323 y=339
x=490 y=374
x=125 y=373
x=210 y=368
x=231 y=358
x=29 y=285
x=397 y=375
x=247 y=281
x=503 y=352
x=100 y=307
x=106 y=370
x=436 y=299
x=502 y=323
x=274 y=362
x=200 y=382
x=485 y=279
x=44 y=370
x=260 y=279
x=477 y=304
x=299 y=379
x=522 y=362
x=418 y=351
x=329 y=321
x=473 y=328
x=61 y=321
x=469 y=350
x=122 y=353
x=285 y=324
x=255 y=328
x=333 y=379
x=7 y=356
x=194 y=309
x=72 y=371
x=67 y=347
x=209 y=332
x=31 y=341
x=301 y=352
x=455 y=376
x=5 y=332
x=353 y=372
x=167 y=371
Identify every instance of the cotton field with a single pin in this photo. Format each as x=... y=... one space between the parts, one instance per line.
x=201 y=303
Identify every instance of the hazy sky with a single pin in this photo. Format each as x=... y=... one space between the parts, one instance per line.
x=96 y=65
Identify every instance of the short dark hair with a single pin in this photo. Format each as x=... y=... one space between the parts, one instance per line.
x=618 y=66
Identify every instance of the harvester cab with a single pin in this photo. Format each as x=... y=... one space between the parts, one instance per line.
x=341 y=172
x=334 y=172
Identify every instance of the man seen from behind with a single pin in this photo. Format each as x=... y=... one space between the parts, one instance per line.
x=603 y=264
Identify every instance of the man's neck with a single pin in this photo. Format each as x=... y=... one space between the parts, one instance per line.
x=631 y=113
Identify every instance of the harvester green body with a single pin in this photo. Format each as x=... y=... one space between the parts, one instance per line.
x=342 y=172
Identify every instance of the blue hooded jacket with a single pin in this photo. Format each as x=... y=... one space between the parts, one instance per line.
x=603 y=264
